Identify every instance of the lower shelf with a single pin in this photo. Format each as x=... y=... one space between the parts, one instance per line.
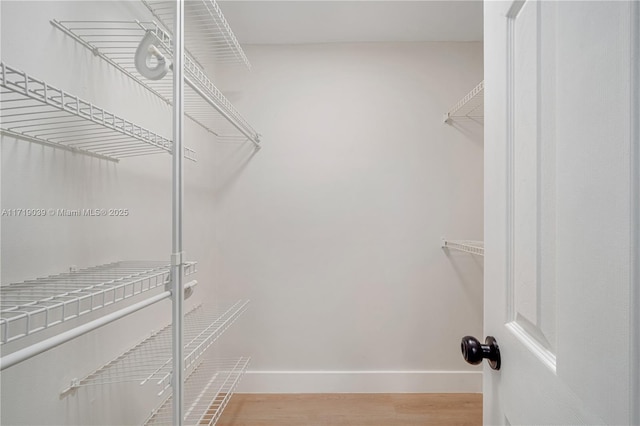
x=35 y=305
x=207 y=392
x=150 y=361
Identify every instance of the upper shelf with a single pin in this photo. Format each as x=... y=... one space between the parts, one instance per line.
x=116 y=42
x=35 y=305
x=207 y=34
x=469 y=107
x=467 y=246
x=38 y=112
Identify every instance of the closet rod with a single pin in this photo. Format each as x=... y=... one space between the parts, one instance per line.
x=44 y=345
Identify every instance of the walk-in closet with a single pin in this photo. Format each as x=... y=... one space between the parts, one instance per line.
x=302 y=212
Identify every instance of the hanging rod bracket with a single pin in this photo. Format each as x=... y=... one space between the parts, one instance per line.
x=188 y=289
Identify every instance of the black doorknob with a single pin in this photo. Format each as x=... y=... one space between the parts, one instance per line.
x=474 y=352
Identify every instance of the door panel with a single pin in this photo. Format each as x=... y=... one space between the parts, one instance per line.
x=561 y=211
x=523 y=42
x=532 y=182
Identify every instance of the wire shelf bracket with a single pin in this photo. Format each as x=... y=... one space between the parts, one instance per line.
x=32 y=306
x=150 y=361
x=469 y=107
x=116 y=43
x=207 y=391
x=35 y=111
x=467 y=246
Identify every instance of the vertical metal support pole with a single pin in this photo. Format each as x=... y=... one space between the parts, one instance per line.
x=635 y=190
x=177 y=261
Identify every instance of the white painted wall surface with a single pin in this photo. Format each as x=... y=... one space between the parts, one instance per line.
x=332 y=229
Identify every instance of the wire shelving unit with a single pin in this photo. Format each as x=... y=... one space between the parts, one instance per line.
x=194 y=387
x=38 y=112
x=150 y=361
x=467 y=246
x=35 y=305
x=116 y=42
x=206 y=393
x=470 y=107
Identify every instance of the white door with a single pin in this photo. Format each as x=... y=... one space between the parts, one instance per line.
x=562 y=213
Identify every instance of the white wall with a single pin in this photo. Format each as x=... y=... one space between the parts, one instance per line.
x=333 y=229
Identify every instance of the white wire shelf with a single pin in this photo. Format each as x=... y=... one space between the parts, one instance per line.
x=470 y=107
x=116 y=43
x=207 y=391
x=467 y=246
x=35 y=305
x=150 y=361
x=33 y=110
x=207 y=34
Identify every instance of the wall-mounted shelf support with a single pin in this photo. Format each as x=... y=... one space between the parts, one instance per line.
x=467 y=246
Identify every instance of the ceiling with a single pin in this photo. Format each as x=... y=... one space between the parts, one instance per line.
x=327 y=21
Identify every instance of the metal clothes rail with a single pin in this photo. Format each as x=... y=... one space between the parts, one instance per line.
x=32 y=306
x=207 y=391
x=116 y=42
x=467 y=246
x=44 y=345
x=36 y=111
x=469 y=107
x=150 y=360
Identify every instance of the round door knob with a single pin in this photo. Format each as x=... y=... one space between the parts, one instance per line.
x=474 y=352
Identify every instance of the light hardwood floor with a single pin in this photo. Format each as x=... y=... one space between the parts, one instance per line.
x=352 y=410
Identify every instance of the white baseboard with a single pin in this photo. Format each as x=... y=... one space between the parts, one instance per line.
x=361 y=382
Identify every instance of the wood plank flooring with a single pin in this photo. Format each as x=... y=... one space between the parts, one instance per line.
x=353 y=410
